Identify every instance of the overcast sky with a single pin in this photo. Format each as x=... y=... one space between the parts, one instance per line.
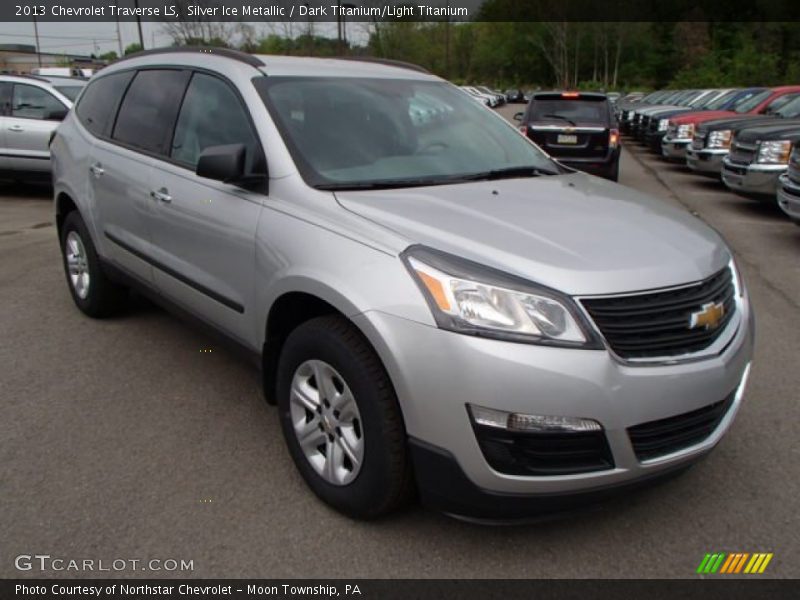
x=85 y=38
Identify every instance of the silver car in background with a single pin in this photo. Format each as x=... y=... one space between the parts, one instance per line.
x=31 y=109
x=434 y=302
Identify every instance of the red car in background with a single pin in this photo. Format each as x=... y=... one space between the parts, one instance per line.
x=681 y=128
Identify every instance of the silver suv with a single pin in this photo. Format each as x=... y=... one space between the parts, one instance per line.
x=434 y=302
x=30 y=110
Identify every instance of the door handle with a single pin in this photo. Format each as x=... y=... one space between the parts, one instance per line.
x=161 y=195
x=97 y=170
x=16 y=128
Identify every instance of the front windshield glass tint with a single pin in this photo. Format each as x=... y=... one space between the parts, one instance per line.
x=751 y=103
x=791 y=109
x=721 y=101
x=354 y=131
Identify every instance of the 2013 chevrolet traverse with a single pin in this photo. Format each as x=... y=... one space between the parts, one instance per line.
x=434 y=301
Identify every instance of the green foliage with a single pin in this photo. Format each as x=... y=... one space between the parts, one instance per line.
x=651 y=55
x=216 y=42
x=132 y=49
x=109 y=56
x=592 y=55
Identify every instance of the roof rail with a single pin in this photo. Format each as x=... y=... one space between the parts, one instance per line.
x=28 y=76
x=385 y=61
x=225 y=52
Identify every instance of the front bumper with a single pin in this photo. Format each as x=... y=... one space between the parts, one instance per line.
x=674 y=148
x=789 y=197
x=706 y=161
x=436 y=373
x=758 y=179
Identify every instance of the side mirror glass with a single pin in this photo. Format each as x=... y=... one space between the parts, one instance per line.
x=222 y=163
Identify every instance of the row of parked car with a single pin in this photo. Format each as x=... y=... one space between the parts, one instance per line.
x=748 y=137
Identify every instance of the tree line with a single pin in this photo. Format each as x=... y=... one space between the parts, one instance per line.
x=609 y=55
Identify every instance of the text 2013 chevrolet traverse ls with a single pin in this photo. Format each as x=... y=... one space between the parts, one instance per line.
x=433 y=301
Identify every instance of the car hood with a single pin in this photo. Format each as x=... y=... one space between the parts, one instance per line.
x=776 y=129
x=732 y=123
x=576 y=233
x=700 y=116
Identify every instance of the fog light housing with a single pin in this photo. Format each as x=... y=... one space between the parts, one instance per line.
x=489 y=417
x=540 y=446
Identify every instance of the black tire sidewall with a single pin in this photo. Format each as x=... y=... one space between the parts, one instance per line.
x=93 y=304
x=365 y=496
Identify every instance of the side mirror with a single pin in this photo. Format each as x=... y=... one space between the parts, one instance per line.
x=222 y=163
x=518 y=116
x=55 y=114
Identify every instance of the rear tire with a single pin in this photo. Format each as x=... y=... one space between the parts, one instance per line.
x=613 y=172
x=326 y=364
x=93 y=292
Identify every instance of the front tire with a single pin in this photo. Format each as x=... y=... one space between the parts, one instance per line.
x=93 y=292
x=341 y=419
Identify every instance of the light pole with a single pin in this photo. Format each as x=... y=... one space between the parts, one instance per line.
x=36 y=34
x=139 y=24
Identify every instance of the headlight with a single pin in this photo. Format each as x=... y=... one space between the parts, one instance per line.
x=720 y=139
x=663 y=124
x=469 y=298
x=775 y=153
x=686 y=130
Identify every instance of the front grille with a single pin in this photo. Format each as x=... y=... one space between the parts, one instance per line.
x=665 y=436
x=699 y=142
x=742 y=154
x=657 y=324
x=543 y=454
x=794 y=166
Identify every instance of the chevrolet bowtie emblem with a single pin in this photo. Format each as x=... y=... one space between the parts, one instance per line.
x=708 y=317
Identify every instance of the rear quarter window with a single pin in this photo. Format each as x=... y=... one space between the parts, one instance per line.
x=99 y=101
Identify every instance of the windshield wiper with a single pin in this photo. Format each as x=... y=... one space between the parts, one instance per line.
x=386 y=184
x=568 y=120
x=508 y=173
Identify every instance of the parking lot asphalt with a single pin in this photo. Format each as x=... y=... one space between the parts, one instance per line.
x=127 y=438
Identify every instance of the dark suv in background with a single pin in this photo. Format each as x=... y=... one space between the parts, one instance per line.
x=577 y=128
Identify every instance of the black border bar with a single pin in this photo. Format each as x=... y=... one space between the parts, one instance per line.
x=375 y=11
x=719 y=588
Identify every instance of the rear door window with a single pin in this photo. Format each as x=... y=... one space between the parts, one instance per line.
x=147 y=115
x=100 y=100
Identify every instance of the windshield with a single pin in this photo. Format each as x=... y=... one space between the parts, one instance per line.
x=791 y=109
x=752 y=102
x=350 y=133
x=722 y=100
x=70 y=91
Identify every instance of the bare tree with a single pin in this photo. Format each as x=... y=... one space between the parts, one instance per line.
x=198 y=28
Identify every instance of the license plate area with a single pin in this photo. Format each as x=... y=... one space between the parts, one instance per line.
x=567 y=139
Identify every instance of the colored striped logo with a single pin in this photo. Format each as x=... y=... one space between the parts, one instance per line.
x=735 y=562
